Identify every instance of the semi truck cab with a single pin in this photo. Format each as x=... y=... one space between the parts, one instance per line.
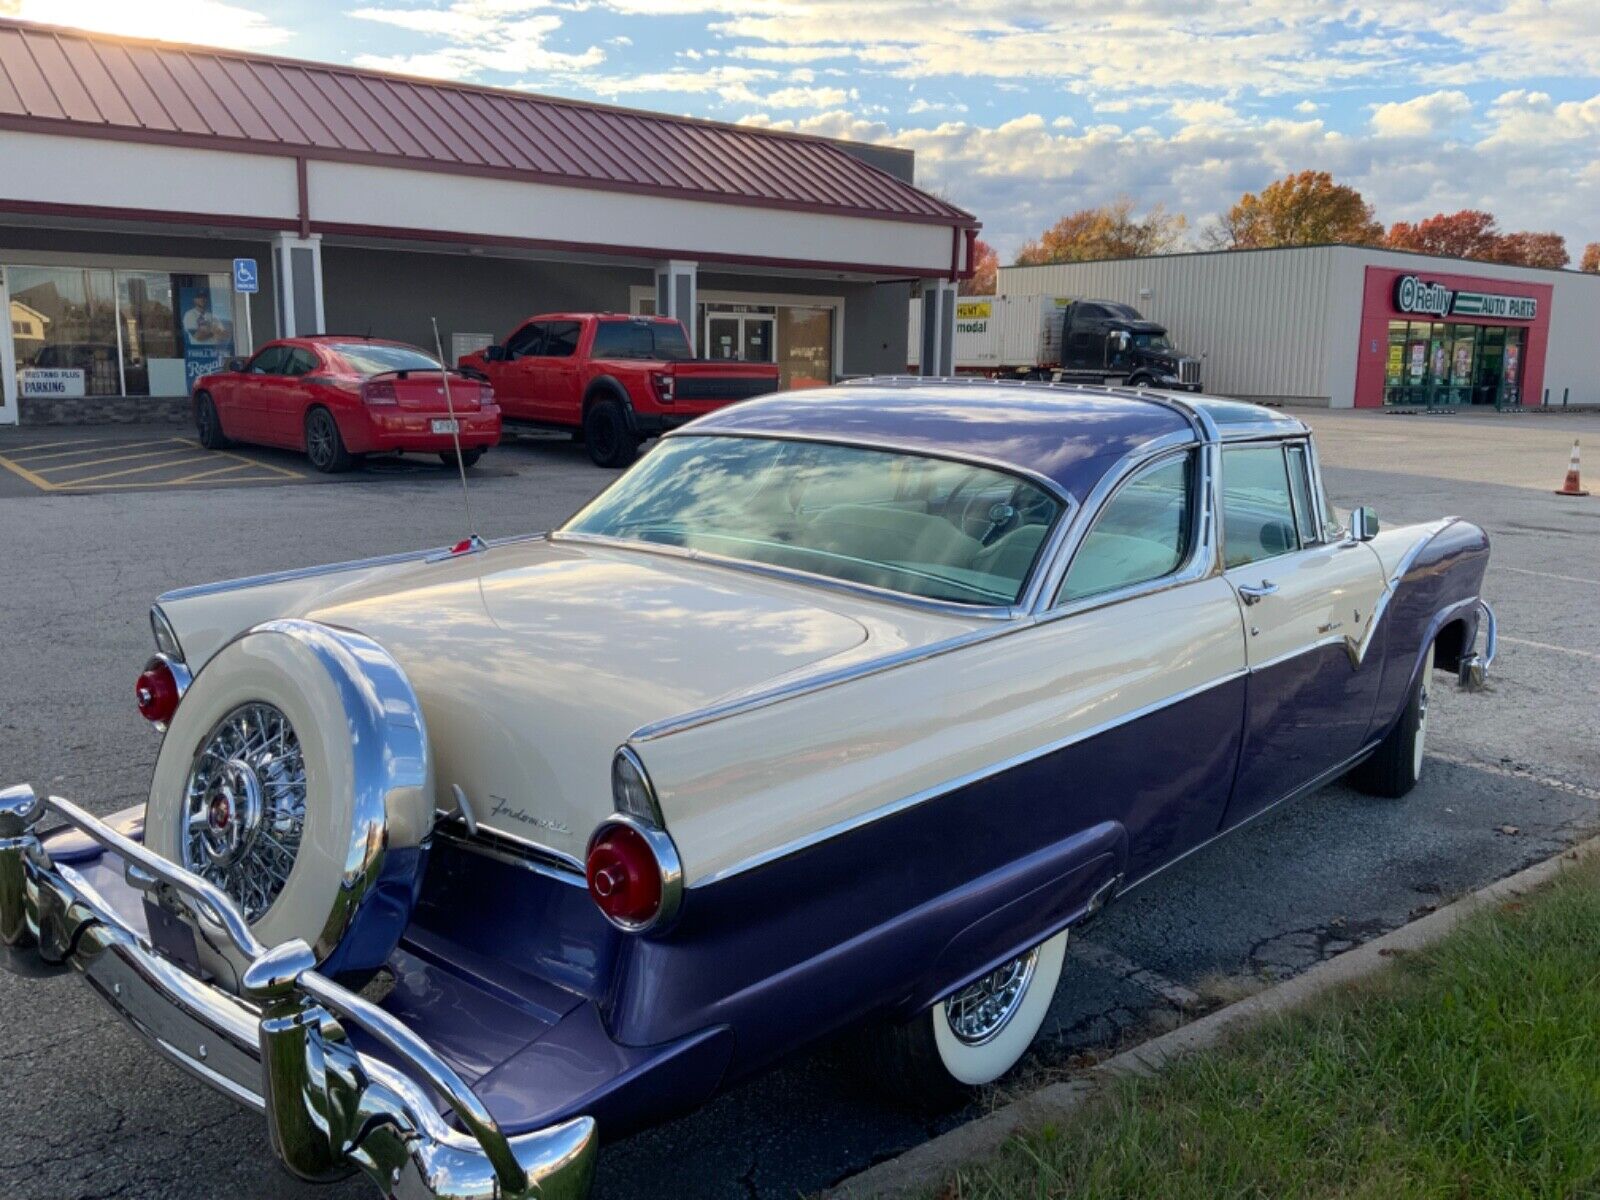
x=1101 y=338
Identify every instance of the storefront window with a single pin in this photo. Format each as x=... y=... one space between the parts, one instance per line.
x=97 y=332
x=70 y=344
x=1432 y=364
x=805 y=346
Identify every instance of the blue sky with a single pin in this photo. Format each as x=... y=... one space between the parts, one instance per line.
x=1020 y=109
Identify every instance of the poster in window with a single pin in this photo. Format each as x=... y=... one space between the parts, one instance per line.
x=1419 y=361
x=1438 y=362
x=1461 y=372
x=207 y=333
x=1513 y=352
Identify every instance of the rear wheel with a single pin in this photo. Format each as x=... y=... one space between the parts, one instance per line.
x=324 y=446
x=469 y=458
x=1395 y=766
x=970 y=1038
x=606 y=432
x=207 y=424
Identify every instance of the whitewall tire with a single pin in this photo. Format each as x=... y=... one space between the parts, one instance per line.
x=971 y=1038
x=1394 y=768
x=295 y=776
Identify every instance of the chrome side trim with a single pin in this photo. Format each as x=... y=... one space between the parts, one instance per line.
x=510 y=849
x=1358 y=651
x=165 y=636
x=819 y=682
x=297 y=573
x=834 y=830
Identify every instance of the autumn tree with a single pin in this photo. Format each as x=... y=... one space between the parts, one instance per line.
x=1470 y=233
x=1109 y=231
x=985 y=271
x=1533 y=250
x=1591 y=258
x=1299 y=210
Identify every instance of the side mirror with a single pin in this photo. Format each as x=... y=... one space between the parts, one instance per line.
x=1123 y=340
x=1363 y=524
x=234 y=365
x=494 y=354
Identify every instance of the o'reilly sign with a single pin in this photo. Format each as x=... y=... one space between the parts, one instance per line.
x=1423 y=298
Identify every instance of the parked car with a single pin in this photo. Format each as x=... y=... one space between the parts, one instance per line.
x=840 y=710
x=338 y=397
x=613 y=380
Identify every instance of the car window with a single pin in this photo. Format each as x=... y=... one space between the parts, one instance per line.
x=301 y=362
x=1257 y=511
x=561 y=340
x=379 y=358
x=903 y=522
x=640 y=338
x=1305 y=515
x=1142 y=534
x=525 y=341
x=269 y=362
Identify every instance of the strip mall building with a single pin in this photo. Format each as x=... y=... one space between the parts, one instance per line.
x=136 y=172
x=1344 y=326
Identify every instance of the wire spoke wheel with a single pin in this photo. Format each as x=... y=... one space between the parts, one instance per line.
x=979 y=1011
x=245 y=806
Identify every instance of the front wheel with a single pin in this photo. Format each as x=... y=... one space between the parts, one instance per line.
x=606 y=432
x=1395 y=766
x=324 y=445
x=970 y=1038
x=207 y=424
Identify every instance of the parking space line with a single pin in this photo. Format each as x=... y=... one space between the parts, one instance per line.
x=167 y=448
x=38 y=481
x=1548 y=575
x=1522 y=773
x=242 y=465
x=1113 y=963
x=285 y=472
x=86 y=448
x=177 y=462
x=1516 y=641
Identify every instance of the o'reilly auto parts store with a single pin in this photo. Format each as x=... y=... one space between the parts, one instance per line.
x=1345 y=326
x=135 y=172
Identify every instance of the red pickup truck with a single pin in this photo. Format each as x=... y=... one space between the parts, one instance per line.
x=614 y=379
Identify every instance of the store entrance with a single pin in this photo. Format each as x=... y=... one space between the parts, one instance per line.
x=1436 y=364
x=746 y=336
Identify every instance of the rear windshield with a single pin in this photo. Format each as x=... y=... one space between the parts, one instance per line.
x=925 y=527
x=661 y=340
x=376 y=358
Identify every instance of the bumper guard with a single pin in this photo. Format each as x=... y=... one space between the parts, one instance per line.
x=281 y=1047
x=1474 y=668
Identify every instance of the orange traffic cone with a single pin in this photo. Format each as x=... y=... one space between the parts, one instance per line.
x=1572 y=487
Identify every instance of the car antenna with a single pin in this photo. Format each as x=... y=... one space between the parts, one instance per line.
x=473 y=541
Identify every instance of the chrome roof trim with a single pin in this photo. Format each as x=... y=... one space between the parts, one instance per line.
x=895 y=806
x=764 y=697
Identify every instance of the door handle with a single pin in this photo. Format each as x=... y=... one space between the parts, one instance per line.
x=1252 y=593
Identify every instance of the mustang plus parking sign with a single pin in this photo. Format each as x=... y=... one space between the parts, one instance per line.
x=245 y=278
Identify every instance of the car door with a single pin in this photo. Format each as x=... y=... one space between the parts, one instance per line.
x=240 y=405
x=287 y=396
x=1152 y=636
x=516 y=379
x=558 y=381
x=1307 y=598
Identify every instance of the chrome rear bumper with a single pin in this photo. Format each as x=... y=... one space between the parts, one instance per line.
x=1474 y=668
x=281 y=1047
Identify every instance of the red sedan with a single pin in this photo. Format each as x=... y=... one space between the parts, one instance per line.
x=339 y=397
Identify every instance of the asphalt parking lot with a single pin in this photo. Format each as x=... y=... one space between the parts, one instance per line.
x=1513 y=774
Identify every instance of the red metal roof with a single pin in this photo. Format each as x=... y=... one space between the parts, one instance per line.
x=65 y=80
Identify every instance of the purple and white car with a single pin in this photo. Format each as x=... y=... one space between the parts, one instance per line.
x=839 y=710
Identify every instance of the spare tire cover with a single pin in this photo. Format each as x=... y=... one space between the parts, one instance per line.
x=295 y=775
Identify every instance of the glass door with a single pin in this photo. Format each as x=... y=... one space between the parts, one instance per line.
x=723 y=338
x=756 y=337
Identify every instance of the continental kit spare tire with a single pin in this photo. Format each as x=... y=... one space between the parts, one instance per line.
x=295 y=776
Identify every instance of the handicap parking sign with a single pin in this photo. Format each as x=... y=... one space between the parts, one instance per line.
x=245 y=278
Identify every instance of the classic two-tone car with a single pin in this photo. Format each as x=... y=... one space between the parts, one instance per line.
x=839 y=710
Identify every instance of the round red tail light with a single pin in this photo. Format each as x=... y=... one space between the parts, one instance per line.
x=633 y=874
x=157 y=692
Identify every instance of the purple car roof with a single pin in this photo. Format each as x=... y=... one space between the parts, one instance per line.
x=1068 y=436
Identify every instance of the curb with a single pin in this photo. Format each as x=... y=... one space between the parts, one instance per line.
x=923 y=1168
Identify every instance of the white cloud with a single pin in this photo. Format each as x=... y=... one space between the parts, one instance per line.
x=808 y=97
x=209 y=22
x=480 y=36
x=1526 y=118
x=1201 y=112
x=1421 y=116
x=1307 y=107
